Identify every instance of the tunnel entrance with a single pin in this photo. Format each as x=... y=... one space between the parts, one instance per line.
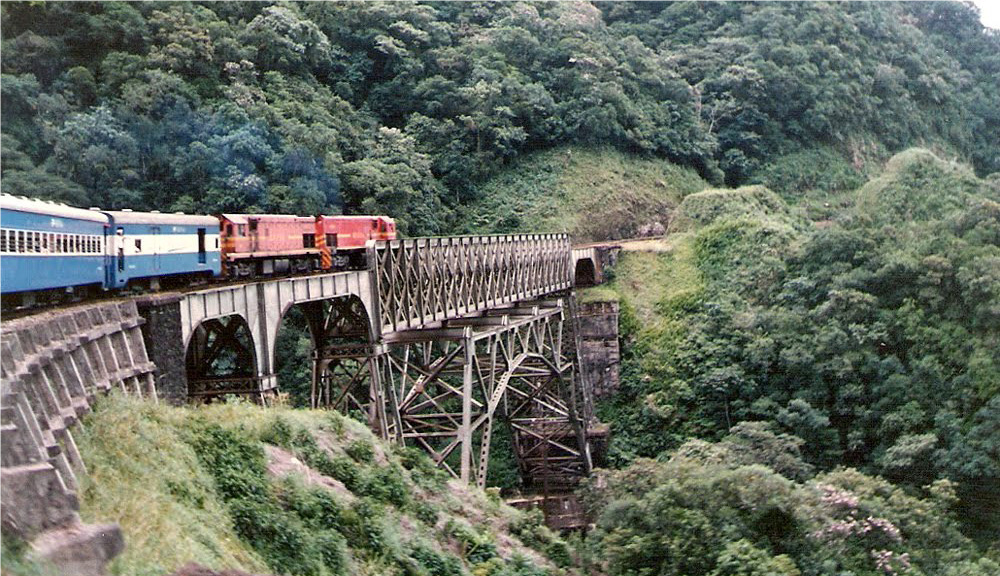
x=586 y=274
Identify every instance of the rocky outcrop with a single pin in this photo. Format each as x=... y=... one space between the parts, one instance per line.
x=53 y=366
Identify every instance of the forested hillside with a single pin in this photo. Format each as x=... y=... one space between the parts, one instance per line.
x=810 y=377
x=794 y=378
x=404 y=108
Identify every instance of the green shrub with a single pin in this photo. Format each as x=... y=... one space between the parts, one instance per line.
x=385 y=484
x=315 y=506
x=236 y=463
x=436 y=563
x=279 y=433
x=530 y=528
x=476 y=547
x=339 y=467
x=423 y=511
x=278 y=536
x=361 y=451
x=425 y=473
x=821 y=169
x=364 y=527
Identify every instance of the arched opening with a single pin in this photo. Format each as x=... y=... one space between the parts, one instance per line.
x=221 y=360
x=586 y=273
x=323 y=355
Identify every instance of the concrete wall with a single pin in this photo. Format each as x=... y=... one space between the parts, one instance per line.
x=53 y=366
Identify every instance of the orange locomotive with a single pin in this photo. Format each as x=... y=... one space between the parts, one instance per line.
x=262 y=244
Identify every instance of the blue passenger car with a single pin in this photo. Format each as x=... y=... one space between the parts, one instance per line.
x=147 y=245
x=45 y=245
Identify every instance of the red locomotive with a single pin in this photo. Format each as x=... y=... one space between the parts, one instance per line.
x=255 y=244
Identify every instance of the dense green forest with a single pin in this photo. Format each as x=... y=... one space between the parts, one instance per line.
x=811 y=357
x=771 y=361
x=404 y=108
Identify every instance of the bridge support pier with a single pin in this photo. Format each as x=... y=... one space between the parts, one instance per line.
x=443 y=388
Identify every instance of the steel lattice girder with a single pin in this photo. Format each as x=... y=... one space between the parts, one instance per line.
x=441 y=389
x=424 y=280
x=342 y=356
x=226 y=340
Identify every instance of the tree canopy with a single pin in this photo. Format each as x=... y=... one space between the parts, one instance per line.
x=406 y=107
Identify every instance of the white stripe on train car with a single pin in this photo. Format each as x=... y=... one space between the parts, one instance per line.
x=150 y=244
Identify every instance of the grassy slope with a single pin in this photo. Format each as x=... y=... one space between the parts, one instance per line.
x=150 y=470
x=593 y=194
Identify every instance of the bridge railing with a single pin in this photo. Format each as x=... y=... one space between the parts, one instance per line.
x=424 y=280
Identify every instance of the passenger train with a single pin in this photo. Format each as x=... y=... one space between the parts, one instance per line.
x=47 y=249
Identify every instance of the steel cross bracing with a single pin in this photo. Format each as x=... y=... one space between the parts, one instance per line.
x=442 y=389
x=343 y=358
x=221 y=361
x=424 y=280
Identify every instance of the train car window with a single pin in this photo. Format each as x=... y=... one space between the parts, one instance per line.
x=229 y=229
x=3 y=240
x=20 y=240
x=242 y=229
x=331 y=240
x=308 y=240
x=374 y=225
x=45 y=242
x=138 y=245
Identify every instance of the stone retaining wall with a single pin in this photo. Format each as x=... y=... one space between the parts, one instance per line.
x=52 y=366
x=600 y=357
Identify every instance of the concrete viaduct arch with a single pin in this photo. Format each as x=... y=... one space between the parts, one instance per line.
x=262 y=305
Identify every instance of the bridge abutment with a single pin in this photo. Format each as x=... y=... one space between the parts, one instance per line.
x=165 y=344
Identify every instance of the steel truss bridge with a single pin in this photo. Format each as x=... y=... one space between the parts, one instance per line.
x=438 y=343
